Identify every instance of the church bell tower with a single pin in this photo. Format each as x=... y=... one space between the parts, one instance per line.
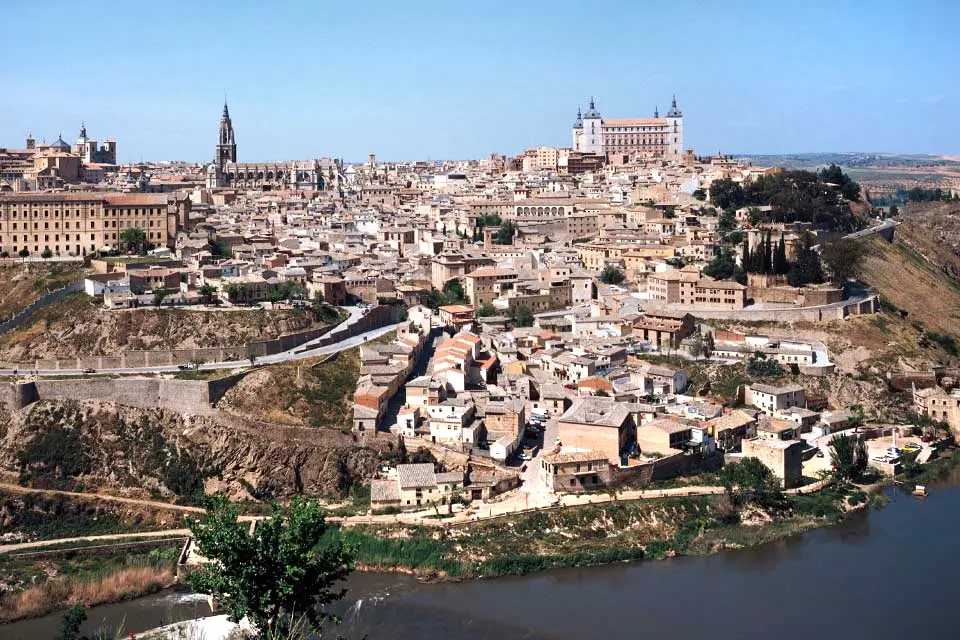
x=226 y=144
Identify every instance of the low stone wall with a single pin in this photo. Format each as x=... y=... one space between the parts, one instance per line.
x=818 y=369
x=195 y=397
x=809 y=314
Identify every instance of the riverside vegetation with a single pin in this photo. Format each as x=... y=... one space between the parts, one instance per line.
x=596 y=534
x=33 y=587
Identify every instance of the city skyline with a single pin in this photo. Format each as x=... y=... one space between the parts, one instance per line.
x=416 y=84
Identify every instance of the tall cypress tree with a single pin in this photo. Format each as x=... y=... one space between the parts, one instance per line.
x=745 y=256
x=780 y=264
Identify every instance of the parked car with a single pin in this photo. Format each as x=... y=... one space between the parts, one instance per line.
x=89 y=370
x=190 y=366
x=820 y=454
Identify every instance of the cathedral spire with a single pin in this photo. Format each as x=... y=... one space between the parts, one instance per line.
x=656 y=111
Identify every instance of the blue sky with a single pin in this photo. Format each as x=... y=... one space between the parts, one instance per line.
x=417 y=80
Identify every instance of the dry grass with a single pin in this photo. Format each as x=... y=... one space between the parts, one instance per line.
x=905 y=279
x=59 y=592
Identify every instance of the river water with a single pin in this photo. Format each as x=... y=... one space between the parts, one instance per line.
x=888 y=573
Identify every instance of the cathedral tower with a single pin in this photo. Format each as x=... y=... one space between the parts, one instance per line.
x=226 y=145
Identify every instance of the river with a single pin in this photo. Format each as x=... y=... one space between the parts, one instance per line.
x=887 y=573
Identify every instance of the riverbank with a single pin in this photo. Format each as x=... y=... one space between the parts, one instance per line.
x=589 y=535
x=33 y=587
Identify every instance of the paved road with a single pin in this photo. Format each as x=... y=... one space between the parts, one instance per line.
x=298 y=353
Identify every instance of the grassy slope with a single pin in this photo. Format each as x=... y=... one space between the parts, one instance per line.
x=300 y=393
x=22 y=284
x=904 y=278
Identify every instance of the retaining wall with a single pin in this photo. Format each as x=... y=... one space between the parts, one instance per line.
x=183 y=396
x=39 y=303
x=809 y=314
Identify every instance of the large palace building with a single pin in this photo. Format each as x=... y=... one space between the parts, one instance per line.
x=225 y=171
x=654 y=137
x=74 y=224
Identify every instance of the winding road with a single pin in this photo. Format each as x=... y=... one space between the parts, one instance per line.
x=297 y=353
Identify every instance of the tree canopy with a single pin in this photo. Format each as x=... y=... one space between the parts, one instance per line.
x=751 y=481
x=289 y=566
x=505 y=233
x=843 y=258
x=849 y=457
x=452 y=293
x=134 y=239
x=486 y=310
x=611 y=275
x=522 y=316
x=724 y=267
x=795 y=196
x=806 y=267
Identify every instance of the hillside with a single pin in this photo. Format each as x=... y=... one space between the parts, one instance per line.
x=305 y=393
x=21 y=284
x=92 y=446
x=77 y=326
x=932 y=229
x=907 y=282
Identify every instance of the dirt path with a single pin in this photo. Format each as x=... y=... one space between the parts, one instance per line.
x=114 y=536
x=156 y=504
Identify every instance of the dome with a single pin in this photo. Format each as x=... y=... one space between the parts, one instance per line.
x=60 y=144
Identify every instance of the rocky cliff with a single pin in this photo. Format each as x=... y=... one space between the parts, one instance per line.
x=90 y=445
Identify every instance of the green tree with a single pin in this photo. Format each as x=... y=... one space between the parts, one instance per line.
x=781 y=266
x=24 y=253
x=522 y=316
x=46 y=253
x=611 y=275
x=486 y=310
x=726 y=194
x=806 y=268
x=727 y=221
x=505 y=233
x=601 y=393
x=894 y=211
x=453 y=292
x=72 y=620
x=755 y=217
x=843 y=258
x=159 y=295
x=220 y=249
x=206 y=292
x=751 y=481
x=133 y=240
x=724 y=267
x=700 y=194
x=289 y=565
x=849 y=457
